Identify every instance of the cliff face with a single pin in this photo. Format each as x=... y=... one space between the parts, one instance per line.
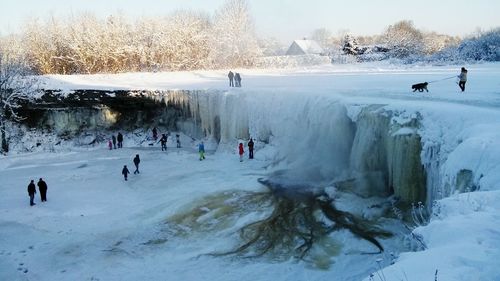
x=85 y=110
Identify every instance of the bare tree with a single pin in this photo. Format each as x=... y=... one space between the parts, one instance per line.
x=15 y=87
x=324 y=37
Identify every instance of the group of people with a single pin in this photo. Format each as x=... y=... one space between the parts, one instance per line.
x=137 y=160
x=42 y=187
x=241 y=150
x=234 y=79
x=126 y=172
x=164 y=138
x=112 y=143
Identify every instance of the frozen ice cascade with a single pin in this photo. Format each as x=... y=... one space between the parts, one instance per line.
x=321 y=139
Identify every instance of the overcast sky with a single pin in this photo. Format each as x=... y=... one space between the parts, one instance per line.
x=286 y=19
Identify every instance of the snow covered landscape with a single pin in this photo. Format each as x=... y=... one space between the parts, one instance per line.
x=249 y=140
x=315 y=129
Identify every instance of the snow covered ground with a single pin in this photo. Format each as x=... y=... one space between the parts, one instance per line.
x=96 y=226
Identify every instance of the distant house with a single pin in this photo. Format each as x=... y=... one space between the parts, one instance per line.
x=304 y=47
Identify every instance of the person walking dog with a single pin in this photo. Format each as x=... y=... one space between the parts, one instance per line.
x=463 y=79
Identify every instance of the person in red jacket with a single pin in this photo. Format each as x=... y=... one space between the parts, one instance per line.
x=241 y=151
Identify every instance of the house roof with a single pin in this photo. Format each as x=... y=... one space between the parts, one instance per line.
x=308 y=46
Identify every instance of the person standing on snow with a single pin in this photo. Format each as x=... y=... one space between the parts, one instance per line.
x=178 y=140
x=113 y=138
x=230 y=75
x=155 y=134
x=125 y=171
x=250 y=149
x=237 y=78
x=42 y=187
x=463 y=78
x=241 y=151
x=201 y=150
x=32 y=192
x=163 y=142
x=136 y=163
x=120 y=140
x=110 y=145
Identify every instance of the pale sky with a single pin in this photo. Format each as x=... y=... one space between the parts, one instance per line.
x=286 y=19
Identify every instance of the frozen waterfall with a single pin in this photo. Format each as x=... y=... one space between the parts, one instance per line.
x=318 y=139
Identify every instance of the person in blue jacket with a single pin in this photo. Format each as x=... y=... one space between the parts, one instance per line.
x=201 y=150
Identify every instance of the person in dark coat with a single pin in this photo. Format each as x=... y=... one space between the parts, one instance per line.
x=163 y=142
x=113 y=138
x=136 y=163
x=463 y=78
x=120 y=140
x=230 y=75
x=32 y=192
x=125 y=172
x=178 y=140
x=250 y=149
x=155 y=134
x=42 y=187
x=110 y=145
x=237 y=79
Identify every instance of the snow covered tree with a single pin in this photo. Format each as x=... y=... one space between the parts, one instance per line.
x=350 y=45
x=188 y=41
x=233 y=41
x=271 y=47
x=433 y=42
x=485 y=46
x=14 y=88
x=403 y=39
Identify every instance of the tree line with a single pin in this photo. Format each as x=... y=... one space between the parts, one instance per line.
x=183 y=40
x=188 y=40
x=402 y=40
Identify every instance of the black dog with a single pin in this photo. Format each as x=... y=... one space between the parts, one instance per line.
x=420 y=87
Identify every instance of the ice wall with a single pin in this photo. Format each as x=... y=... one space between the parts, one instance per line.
x=316 y=139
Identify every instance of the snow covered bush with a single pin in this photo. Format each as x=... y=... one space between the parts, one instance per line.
x=401 y=42
x=183 y=40
x=87 y=44
x=483 y=47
